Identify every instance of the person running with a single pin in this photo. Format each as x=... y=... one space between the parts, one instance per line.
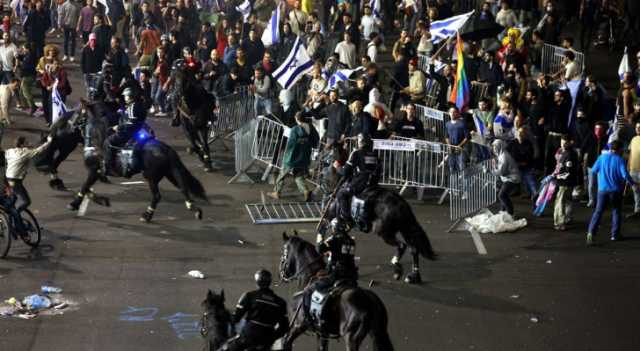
x=612 y=174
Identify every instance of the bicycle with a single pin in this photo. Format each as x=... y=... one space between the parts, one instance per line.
x=8 y=232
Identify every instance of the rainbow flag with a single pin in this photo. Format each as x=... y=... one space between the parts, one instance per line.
x=461 y=93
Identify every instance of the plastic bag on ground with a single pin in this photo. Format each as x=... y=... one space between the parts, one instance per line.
x=36 y=302
x=495 y=223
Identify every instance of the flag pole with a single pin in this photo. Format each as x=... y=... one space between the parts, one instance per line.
x=443 y=46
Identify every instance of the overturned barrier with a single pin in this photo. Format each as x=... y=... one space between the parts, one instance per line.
x=232 y=112
x=472 y=190
x=243 y=142
x=552 y=59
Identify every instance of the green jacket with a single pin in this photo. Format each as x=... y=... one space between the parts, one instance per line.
x=302 y=139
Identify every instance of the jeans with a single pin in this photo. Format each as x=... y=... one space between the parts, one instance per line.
x=604 y=199
x=503 y=195
x=529 y=180
x=592 y=190
x=456 y=161
x=26 y=84
x=262 y=104
x=563 y=207
x=160 y=99
x=636 y=191
x=69 y=42
x=22 y=195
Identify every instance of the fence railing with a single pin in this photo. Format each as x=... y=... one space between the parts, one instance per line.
x=434 y=122
x=552 y=59
x=232 y=112
x=243 y=142
x=472 y=189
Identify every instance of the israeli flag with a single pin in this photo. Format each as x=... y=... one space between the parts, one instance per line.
x=480 y=127
x=443 y=29
x=106 y=6
x=244 y=9
x=340 y=76
x=624 y=65
x=376 y=9
x=271 y=34
x=58 y=108
x=297 y=64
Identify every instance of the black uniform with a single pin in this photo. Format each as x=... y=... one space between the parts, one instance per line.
x=341 y=264
x=410 y=129
x=131 y=120
x=361 y=171
x=266 y=320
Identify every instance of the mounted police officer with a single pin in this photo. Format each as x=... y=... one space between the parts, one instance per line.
x=341 y=271
x=361 y=171
x=132 y=118
x=265 y=314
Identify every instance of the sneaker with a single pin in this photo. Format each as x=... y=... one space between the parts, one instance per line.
x=561 y=228
x=152 y=110
x=64 y=58
x=53 y=30
x=589 y=239
x=161 y=114
x=633 y=215
x=590 y=204
x=617 y=238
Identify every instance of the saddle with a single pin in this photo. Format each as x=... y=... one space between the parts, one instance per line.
x=128 y=159
x=319 y=299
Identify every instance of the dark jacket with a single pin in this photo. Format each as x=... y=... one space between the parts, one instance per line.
x=263 y=310
x=27 y=65
x=91 y=60
x=339 y=119
x=523 y=153
x=363 y=123
x=567 y=167
x=410 y=129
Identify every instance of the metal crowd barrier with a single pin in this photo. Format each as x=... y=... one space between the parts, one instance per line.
x=432 y=93
x=472 y=189
x=243 y=142
x=552 y=59
x=479 y=91
x=434 y=122
x=232 y=112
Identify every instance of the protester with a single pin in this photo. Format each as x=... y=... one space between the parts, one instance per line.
x=507 y=170
x=566 y=175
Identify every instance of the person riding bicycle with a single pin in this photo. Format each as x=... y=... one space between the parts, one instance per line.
x=18 y=159
x=132 y=118
x=265 y=314
x=361 y=171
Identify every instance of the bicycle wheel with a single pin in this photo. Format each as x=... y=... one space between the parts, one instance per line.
x=33 y=229
x=5 y=234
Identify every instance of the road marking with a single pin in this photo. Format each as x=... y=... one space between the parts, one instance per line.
x=83 y=206
x=477 y=240
x=132 y=183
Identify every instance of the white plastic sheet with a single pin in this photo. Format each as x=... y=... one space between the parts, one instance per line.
x=501 y=222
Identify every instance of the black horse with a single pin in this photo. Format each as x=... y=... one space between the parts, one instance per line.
x=194 y=110
x=216 y=326
x=387 y=213
x=157 y=161
x=67 y=134
x=353 y=314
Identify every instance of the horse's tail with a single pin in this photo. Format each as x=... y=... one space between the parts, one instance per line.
x=380 y=321
x=185 y=178
x=416 y=236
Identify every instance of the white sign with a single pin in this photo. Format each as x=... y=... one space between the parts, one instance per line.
x=400 y=145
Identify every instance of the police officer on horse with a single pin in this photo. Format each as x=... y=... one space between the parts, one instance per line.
x=132 y=118
x=361 y=171
x=265 y=314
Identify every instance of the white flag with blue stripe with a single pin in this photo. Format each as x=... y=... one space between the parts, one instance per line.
x=340 y=76
x=271 y=34
x=443 y=29
x=376 y=9
x=624 y=65
x=58 y=108
x=297 y=64
x=244 y=9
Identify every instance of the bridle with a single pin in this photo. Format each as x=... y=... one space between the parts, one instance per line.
x=284 y=266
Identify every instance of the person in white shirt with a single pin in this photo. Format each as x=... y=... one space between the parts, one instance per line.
x=369 y=23
x=8 y=58
x=571 y=69
x=372 y=46
x=6 y=93
x=346 y=51
x=18 y=159
x=506 y=17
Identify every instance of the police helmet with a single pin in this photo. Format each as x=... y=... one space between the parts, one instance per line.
x=364 y=141
x=263 y=278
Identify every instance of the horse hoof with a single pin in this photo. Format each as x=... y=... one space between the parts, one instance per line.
x=146 y=217
x=198 y=214
x=413 y=278
x=57 y=184
x=397 y=271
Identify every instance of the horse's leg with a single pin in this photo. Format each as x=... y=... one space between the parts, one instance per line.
x=389 y=237
x=293 y=334
x=92 y=177
x=206 y=153
x=414 y=277
x=55 y=182
x=187 y=126
x=323 y=343
x=155 y=198
x=179 y=183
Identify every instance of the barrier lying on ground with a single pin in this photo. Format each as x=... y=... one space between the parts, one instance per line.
x=472 y=189
x=232 y=112
x=552 y=59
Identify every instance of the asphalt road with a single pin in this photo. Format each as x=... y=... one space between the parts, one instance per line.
x=128 y=290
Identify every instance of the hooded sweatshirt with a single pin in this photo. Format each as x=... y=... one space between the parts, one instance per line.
x=507 y=168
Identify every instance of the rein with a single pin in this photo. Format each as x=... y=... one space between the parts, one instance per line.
x=301 y=271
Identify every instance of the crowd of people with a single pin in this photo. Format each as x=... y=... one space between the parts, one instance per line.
x=586 y=142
